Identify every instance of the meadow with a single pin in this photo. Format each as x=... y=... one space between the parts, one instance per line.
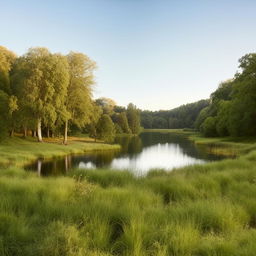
x=200 y=210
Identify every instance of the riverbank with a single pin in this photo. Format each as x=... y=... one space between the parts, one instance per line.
x=205 y=209
x=18 y=151
x=226 y=146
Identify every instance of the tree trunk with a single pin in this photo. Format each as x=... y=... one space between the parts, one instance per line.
x=65 y=140
x=39 y=167
x=11 y=133
x=48 y=132
x=33 y=133
x=25 y=132
x=39 y=131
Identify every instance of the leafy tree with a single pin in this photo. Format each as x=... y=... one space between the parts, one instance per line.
x=40 y=82
x=222 y=119
x=92 y=126
x=119 y=109
x=3 y=114
x=133 y=117
x=107 y=105
x=7 y=59
x=201 y=117
x=181 y=117
x=209 y=127
x=105 y=128
x=159 y=122
x=123 y=122
x=79 y=104
x=243 y=104
x=118 y=129
x=146 y=119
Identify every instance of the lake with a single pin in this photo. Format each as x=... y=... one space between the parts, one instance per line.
x=149 y=150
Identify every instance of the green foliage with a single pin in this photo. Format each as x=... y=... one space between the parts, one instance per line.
x=146 y=119
x=122 y=121
x=51 y=93
x=6 y=61
x=4 y=124
x=232 y=110
x=133 y=117
x=118 y=129
x=105 y=128
x=181 y=117
x=223 y=116
x=107 y=105
x=208 y=127
x=78 y=102
x=159 y=122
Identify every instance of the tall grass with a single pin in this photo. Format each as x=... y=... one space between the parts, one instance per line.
x=201 y=210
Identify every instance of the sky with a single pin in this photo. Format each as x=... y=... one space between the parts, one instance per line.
x=157 y=54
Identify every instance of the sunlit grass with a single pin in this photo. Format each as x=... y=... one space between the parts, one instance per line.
x=197 y=210
x=18 y=151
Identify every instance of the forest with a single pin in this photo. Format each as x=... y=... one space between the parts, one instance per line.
x=230 y=111
x=180 y=117
x=49 y=94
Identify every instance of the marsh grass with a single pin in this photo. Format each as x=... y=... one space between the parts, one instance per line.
x=200 y=210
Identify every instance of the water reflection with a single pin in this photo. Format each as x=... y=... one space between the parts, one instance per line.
x=138 y=154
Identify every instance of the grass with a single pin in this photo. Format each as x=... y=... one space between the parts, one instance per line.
x=19 y=151
x=227 y=146
x=200 y=210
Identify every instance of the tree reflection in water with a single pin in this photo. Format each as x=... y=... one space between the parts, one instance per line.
x=139 y=154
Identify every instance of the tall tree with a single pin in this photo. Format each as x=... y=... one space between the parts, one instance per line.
x=105 y=128
x=79 y=103
x=107 y=104
x=123 y=122
x=9 y=101
x=92 y=127
x=133 y=117
x=7 y=59
x=40 y=80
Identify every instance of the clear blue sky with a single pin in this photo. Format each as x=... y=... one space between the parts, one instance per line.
x=158 y=54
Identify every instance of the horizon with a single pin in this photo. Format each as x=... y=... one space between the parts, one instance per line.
x=158 y=55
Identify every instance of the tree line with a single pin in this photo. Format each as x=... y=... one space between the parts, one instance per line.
x=180 y=117
x=232 y=109
x=48 y=94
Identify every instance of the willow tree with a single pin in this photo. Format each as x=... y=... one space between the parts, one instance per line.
x=40 y=80
x=79 y=98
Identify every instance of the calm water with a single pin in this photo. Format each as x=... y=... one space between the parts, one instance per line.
x=138 y=154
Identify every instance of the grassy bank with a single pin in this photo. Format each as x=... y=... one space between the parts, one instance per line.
x=18 y=151
x=228 y=146
x=198 y=210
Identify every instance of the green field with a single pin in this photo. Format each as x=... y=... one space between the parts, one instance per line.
x=200 y=210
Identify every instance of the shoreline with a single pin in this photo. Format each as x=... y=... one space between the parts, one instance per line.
x=19 y=152
x=226 y=146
